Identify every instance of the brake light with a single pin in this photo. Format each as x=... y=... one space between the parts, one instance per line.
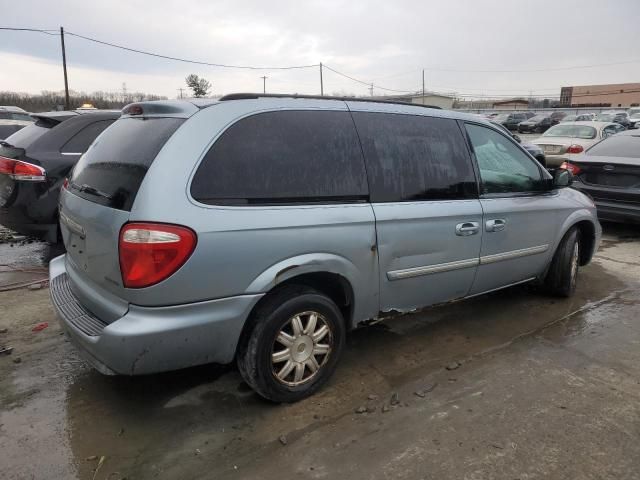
x=152 y=252
x=65 y=183
x=574 y=169
x=575 y=149
x=132 y=109
x=19 y=170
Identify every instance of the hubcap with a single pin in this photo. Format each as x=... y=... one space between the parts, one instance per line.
x=301 y=348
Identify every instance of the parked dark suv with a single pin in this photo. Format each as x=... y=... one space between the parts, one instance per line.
x=511 y=120
x=35 y=161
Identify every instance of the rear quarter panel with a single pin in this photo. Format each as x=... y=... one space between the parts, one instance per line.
x=250 y=249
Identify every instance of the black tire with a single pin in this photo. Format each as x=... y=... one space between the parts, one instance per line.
x=563 y=273
x=274 y=315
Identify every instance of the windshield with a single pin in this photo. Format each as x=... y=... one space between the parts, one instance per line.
x=635 y=115
x=573 y=131
x=617 y=146
x=537 y=118
x=501 y=118
x=570 y=118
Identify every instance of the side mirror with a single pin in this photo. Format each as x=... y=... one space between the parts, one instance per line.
x=517 y=138
x=562 y=178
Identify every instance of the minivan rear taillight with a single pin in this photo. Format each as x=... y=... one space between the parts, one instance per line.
x=152 y=252
x=19 y=170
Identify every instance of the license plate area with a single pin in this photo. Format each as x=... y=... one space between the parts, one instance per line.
x=552 y=149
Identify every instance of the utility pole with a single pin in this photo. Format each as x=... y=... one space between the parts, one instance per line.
x=180 y=90
x=67 y=106
x=321 y=83
x=264 y=83
x=423 y=86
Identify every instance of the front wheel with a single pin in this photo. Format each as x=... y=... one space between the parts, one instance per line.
x=293 y=346
x=563 y=273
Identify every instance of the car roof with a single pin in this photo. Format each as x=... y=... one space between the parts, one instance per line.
x=185 y=107
x=9 y=108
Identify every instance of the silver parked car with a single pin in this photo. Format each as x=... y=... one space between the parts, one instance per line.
x=262 y=228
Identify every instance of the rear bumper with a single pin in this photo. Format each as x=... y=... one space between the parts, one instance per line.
x=616 y=212
x=609 y=209
x=151 y=339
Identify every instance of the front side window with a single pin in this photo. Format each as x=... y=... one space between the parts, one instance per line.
x=413 y=157
x=284 y=157
x=504 y=168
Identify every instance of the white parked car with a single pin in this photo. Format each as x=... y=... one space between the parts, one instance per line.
x=566 y=140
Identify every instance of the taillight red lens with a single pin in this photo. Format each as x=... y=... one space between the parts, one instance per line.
x=574 y=169
x=65 y=183
x=575 y=149
x=152 y=252
x=19 y=170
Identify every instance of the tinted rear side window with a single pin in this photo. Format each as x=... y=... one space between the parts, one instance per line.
x=411 y=157
x=111 y=171
x=80 y=142
x=284 y=157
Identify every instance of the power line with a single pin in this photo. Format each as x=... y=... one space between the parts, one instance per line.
x=46 y=32
x=368 y=84
x=197 y=62
x=548 y=69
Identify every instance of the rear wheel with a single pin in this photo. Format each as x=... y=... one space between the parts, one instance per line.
x=293 y=346
x=563 y=273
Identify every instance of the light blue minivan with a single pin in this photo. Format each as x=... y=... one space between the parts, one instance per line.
x=262 y=228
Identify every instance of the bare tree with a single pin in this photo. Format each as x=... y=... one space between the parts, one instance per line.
x=199 y=86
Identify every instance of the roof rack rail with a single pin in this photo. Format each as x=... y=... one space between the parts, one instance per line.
x=253 y=96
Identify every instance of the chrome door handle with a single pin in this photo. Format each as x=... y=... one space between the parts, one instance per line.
x=467 y=228
x=495 y=225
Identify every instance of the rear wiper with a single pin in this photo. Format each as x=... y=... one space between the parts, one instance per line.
x=6 y=144
x=91 y=190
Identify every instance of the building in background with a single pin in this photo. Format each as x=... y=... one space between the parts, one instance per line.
x=613 y=95
x=513 y=104
x=429 y=98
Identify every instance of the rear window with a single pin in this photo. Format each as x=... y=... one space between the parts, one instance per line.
x=573 y=131
x=284 y=157
x=617 y=146
x=29 y=134
x=111 y=171
x=413 y=157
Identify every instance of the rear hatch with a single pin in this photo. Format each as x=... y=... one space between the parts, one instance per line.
x=98 y=200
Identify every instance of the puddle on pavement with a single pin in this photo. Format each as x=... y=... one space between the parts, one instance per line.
x=25 y=261
x=206 y=415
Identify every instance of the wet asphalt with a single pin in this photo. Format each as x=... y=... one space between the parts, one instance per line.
x=511 y=385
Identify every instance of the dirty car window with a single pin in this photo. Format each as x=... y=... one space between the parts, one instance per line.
x=284 y=157
x=413 y=157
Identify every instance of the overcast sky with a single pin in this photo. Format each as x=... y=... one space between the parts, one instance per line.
x=385 y=42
